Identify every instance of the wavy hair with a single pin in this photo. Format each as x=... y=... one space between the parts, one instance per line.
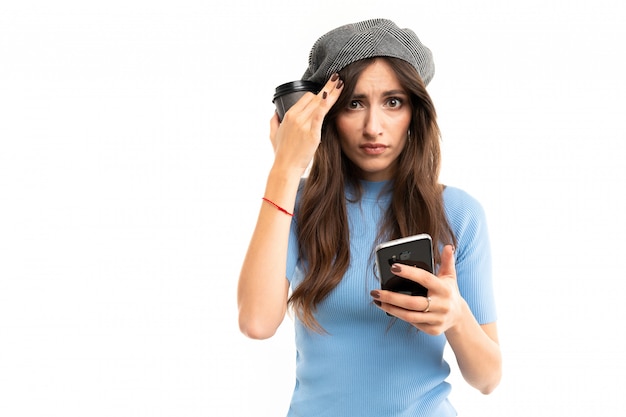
x=416 y=204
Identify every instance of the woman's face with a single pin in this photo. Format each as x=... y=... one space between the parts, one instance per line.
x=373 y=128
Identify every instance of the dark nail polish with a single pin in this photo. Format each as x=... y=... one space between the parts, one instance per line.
x=378 y=303
x=334 y=77
x=375 y=294
x=324 y=95
x=339 y=84
x=396 y=268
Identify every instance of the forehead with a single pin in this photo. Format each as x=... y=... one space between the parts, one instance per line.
x=377 y=76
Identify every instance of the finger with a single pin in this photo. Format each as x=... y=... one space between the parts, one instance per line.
x=331 y=91
x=416 y=318
x=327 y=96
x=274 y=123
x=301 y=103
x=405 y=302
x=447 y=268
x=419 y=275
x=314 y=107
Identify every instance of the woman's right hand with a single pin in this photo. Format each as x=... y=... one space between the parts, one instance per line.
x=296 y=139
x=263 y=288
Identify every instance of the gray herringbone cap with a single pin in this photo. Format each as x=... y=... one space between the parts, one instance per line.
x=370 y=38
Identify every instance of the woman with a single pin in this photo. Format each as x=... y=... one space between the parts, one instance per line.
x=372 y=135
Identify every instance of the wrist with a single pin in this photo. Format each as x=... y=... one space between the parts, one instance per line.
x=464 y=320
x=282 y=181
x=281 y=189
x=285 y=176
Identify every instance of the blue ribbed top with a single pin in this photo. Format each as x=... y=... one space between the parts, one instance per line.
x=363 y=367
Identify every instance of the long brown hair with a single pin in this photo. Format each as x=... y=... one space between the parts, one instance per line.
x=416 y=203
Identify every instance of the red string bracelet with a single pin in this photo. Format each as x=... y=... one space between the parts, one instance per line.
x=277 y=206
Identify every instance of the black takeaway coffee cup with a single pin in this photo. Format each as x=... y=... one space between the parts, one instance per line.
x=287 y=94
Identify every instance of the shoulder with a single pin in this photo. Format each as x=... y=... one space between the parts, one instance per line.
x=465 y=213
x=458 y=202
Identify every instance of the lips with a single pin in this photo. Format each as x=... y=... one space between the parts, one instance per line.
x=373 y=148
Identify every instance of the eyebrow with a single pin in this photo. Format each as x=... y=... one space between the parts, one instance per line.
x=385 y=94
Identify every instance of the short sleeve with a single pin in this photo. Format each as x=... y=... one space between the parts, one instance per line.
x=473 y=253
x=293 y=250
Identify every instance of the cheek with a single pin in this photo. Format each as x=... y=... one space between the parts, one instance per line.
x=343 y=126
x=403 y=131
x=347 y=130
x=406 y=118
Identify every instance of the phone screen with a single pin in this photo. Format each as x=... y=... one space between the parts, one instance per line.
x=414 y=251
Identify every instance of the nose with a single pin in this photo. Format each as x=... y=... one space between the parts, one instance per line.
x=372 y=126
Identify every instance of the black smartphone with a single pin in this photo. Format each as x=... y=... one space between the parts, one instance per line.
x=416 y=251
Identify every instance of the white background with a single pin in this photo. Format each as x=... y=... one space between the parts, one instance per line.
x=133 y=155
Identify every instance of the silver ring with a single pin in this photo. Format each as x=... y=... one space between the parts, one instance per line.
x=427 y=309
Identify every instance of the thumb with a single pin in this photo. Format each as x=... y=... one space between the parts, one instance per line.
x=447 y=268
x=274 y=125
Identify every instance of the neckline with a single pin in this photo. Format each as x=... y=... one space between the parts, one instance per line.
x=376 y=190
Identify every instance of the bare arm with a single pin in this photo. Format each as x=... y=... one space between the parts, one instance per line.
x=477 y=352
x=263 y=288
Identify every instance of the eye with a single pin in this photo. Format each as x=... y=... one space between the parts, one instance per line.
x=394 y=102
x=354 y=104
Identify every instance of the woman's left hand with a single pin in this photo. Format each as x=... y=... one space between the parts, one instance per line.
x=435 y=314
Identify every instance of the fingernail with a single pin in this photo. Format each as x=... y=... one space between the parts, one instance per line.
x=324 y=95
x=375 y=294
x=334 y=77
x=396 y=268
x=339 y=84
x=378 y=303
